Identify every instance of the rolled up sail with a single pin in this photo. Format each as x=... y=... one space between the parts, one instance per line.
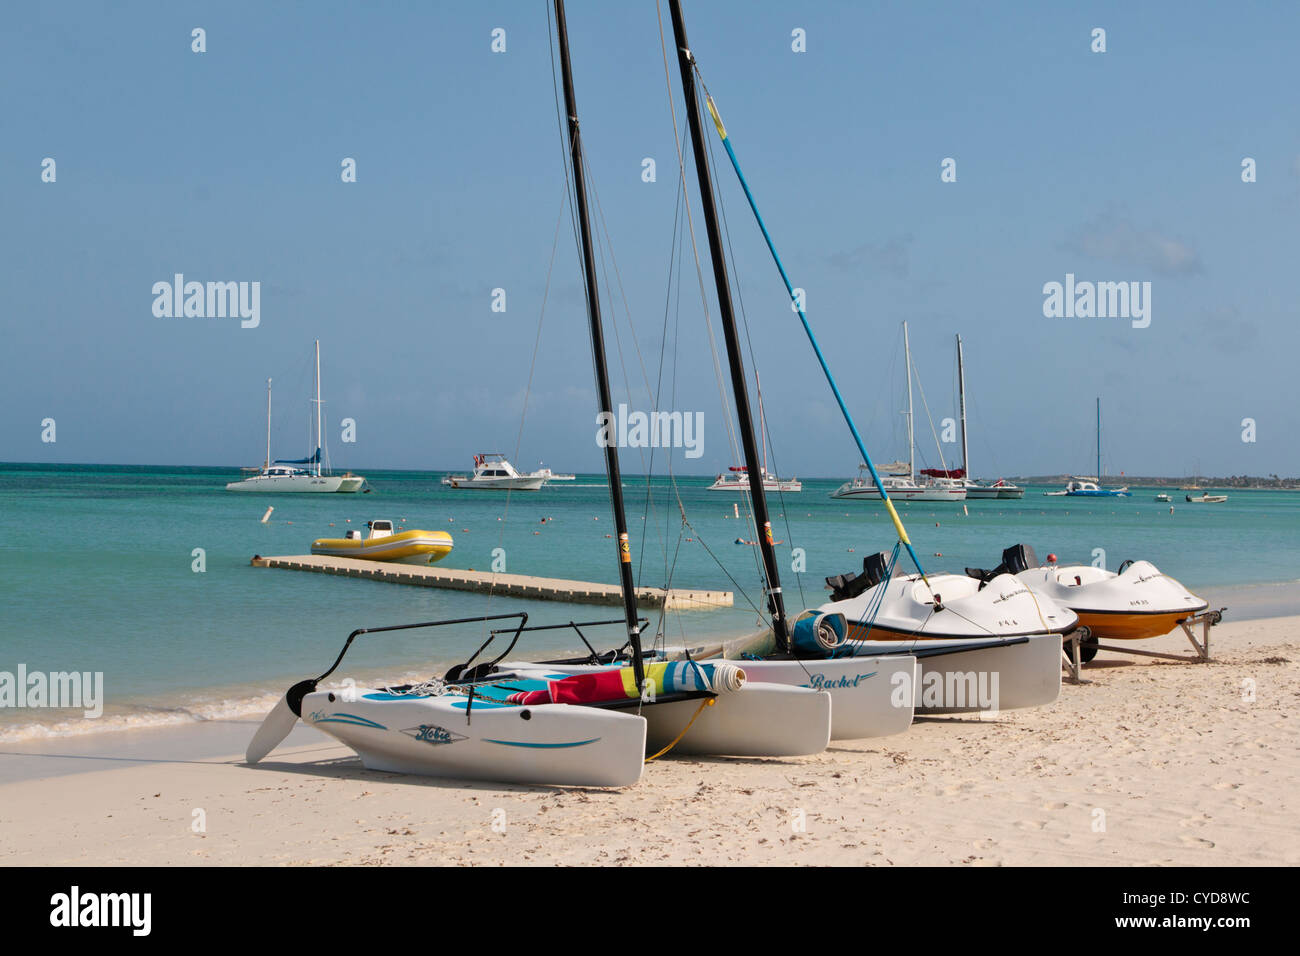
x=819 y=635
x=674 y=677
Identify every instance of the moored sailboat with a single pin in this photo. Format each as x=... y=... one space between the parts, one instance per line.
x=297 y=475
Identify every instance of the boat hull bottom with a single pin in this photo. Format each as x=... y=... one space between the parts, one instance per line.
x=1133 y=627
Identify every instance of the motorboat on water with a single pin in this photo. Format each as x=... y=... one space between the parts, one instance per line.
x=737 y=479
x=386 y=544
x=1162 y=497
x=1207 y=499
x=1133 y=603
x=299 y=475
x=1088 y=488
x=493 y=472
x=552 y=476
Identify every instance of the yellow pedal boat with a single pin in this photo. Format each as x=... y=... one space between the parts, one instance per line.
x=383 y=544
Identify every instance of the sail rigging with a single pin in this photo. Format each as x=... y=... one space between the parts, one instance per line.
x=598 y=346
x=803 y=317
x=744 y=416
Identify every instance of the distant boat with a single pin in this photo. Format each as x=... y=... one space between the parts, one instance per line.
x=1087 y=487
x=738 y=479
x=899 y=486
x=1162 y=497
x=552 y=476
x=1208 y=499
x=904 y=485
x=298 y=475
x=385 y=544
x=977 y=489
x=492 y=472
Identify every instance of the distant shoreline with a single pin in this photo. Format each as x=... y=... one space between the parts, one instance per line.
x=1240 y=482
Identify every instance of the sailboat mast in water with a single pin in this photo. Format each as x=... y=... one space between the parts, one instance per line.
x=268 y=424
x=598 y=349
x=961 y=401
x=775 y=602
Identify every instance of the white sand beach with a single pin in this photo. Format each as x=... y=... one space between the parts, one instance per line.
x=1152 y=763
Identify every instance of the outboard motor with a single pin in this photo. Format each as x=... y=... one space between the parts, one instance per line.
x=1017 y=558
x=846 y=586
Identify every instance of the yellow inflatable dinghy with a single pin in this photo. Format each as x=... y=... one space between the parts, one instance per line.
x=383 y=544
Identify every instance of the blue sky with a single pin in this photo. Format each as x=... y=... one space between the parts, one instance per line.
x=225 y=165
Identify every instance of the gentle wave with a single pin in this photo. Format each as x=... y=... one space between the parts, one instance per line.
x=23 y=724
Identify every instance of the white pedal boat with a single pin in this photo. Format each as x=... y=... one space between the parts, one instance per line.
x=999 y=638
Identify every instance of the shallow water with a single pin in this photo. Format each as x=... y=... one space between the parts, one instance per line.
x=97 y=570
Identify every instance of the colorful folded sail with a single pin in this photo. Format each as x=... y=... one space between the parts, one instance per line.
x=676 y=677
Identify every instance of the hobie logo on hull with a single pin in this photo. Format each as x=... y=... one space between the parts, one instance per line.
x=430 y=734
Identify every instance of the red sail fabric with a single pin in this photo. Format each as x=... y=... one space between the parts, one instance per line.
x=940 y=473
x=578 y=689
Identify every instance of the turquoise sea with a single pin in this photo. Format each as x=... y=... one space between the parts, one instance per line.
x=97 y=570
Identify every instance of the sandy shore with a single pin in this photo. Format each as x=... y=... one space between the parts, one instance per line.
x=1151 y=763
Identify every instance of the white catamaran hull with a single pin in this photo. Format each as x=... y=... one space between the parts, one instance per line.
x=870 y=696
x=982 y=679
x=435 y=736
x=759 y=720
x=297 y=484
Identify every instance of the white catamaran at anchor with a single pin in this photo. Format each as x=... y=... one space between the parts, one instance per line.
x=300 y=475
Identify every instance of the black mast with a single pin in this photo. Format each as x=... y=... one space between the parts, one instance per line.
x=598 y=352
x=775 y=604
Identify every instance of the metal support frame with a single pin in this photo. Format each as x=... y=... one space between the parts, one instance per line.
x=1206 y=619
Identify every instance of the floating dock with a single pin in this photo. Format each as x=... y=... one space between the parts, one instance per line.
x=487 y=582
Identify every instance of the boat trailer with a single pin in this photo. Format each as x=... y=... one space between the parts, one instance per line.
x=1073 y=642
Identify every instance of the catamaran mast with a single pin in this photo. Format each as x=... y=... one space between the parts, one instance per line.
x=598 y=350
x=318 y=442
x=961 y=402
x=775 y=603
x=911 y=436
x=268 y=424
x=1098 y=441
